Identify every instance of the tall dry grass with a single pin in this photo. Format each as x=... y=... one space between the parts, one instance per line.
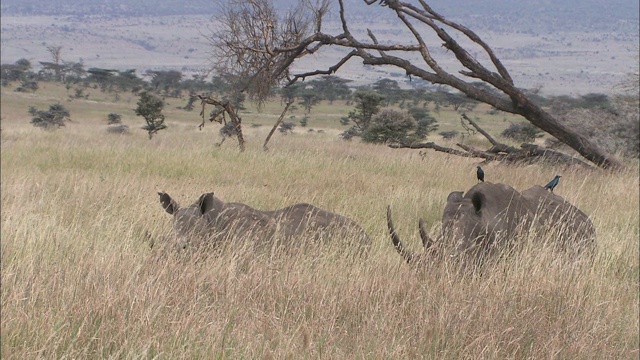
x=79 y=279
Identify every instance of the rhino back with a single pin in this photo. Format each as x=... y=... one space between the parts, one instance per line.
x=554 y=212
x=240 y=220
x=303 y=218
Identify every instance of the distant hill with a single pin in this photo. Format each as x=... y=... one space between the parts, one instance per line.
x=541 y=16
x=560 y=46
x=107 y=8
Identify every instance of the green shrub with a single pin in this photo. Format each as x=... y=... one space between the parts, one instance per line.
x=53 y=118
x=522 y=132
x=150 y=108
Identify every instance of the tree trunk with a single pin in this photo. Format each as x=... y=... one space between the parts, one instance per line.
x=576 y=141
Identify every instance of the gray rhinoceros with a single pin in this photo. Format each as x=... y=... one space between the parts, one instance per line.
x=212 y=222
x=489 y=216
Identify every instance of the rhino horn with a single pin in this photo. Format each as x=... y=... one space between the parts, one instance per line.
x=426 y=240
x=406 y=254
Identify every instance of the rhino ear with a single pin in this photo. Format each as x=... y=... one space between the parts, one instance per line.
x=205 y=203
x=168 y=204
x=455 y=196
x=478 y=200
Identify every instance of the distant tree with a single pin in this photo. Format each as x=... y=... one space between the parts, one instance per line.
x=53 y=118
x=60 y=70
x=522 y=132
x=78 y=93
x=596 y=101
x=190 y=103
x=449 y=134
x=391 y=126
x=73 y=71
x=116 y=126
x=199 y=85
x=165 y=81
x=389 y=89
x=292 y=92
x=28 y=85
x=126 y=80
x=617 y=129
x=309 y=98
x=286 y=127
x=367 y=104
x=237 y=100
x=102 y=77
x=220 y=85
x=20 y=70
x=304 y=121
x=350 y=133
x=114 y=119
x=228 y=130
x=56 y=65
x=425 y=122
x=331 y=88
x=458 y=100
x=150 y=108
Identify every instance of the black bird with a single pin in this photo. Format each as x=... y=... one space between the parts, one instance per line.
x=553 y=183
x=480 y=174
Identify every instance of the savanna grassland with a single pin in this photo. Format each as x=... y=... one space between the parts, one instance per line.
x=80 y=279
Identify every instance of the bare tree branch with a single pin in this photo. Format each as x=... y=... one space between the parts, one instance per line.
x=275 y=126
x=224 y=107
x=274 y=54
x=484 y=133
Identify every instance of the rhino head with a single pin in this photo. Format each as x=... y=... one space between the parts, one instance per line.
x=474 y=223
x=485 y=217
x=192 y=224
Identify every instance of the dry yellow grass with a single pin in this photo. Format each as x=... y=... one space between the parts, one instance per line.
x=80 y=281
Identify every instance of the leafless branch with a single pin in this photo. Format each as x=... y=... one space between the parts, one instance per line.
x=275 y=126
x=223 y=108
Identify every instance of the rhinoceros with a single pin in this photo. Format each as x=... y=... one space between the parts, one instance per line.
x=213 y=222
x=489 y=216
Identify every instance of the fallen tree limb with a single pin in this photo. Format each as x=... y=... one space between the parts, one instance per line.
x=431 y=145
x=499 y=151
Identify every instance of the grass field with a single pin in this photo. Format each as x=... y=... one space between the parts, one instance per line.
x=79 y=279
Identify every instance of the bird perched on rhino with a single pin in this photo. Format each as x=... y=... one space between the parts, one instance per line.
x=480 y=174
x=553 y=183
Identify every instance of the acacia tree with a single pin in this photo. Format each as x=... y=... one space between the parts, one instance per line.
x=244 y=42
x=274 y=56
x=150 y=108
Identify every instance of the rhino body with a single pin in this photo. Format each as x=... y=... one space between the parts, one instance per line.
x=212 y=222
x=489 y=216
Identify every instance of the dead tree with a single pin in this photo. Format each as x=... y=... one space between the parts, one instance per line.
x=244 y=39
x=219 y=115
x=499 y=92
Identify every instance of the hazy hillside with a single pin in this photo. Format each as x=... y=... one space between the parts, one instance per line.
x=496 y=15
x=106 y=8
x=569 y=47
